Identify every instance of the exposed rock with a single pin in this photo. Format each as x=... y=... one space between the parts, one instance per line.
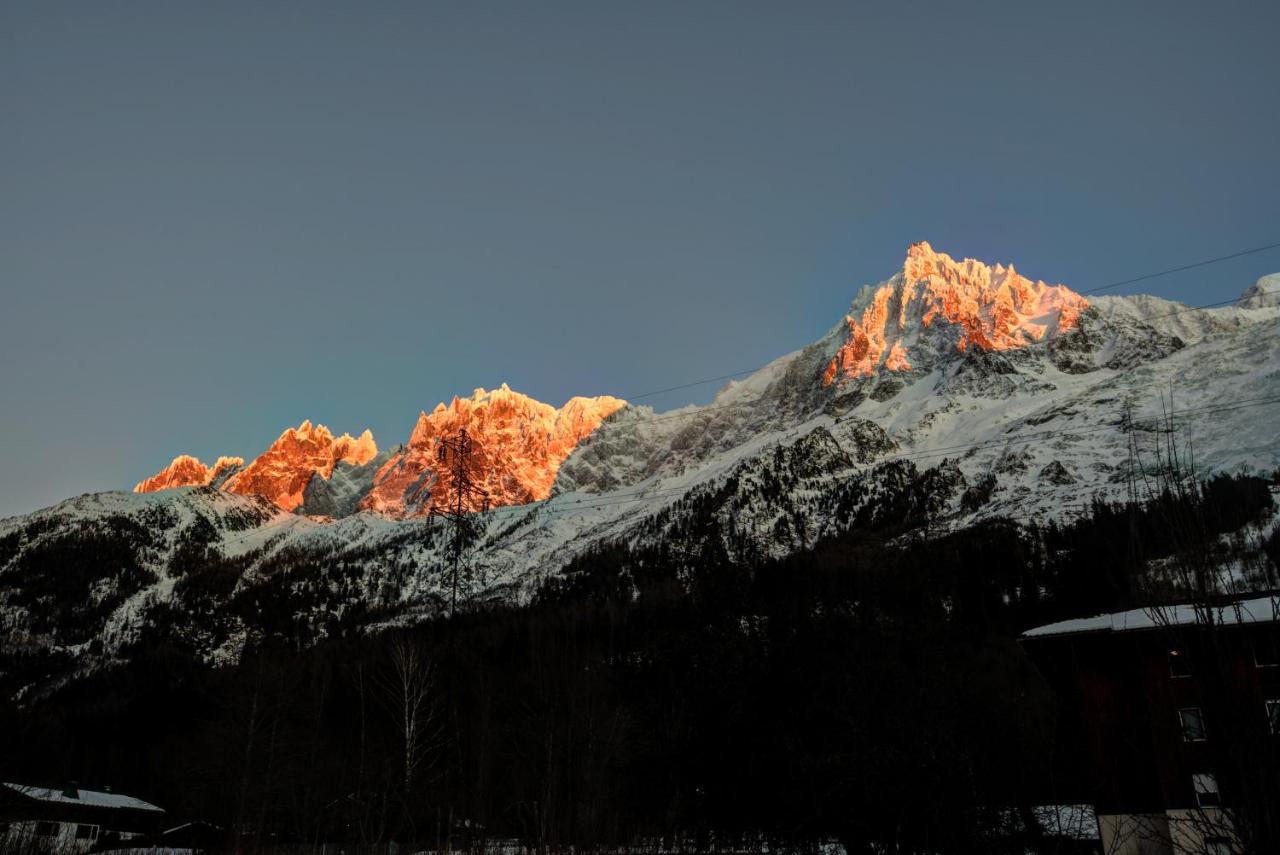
x=966 y=303
x=187 y=471
x=283 y=471
x=978 y=494
x=1056 y=473
x=518 y=446
x=869 y=440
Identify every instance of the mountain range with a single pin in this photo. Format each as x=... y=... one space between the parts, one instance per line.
x=961 y=390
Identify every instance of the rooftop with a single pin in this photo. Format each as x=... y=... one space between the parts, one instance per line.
x=1265 y=609
x=91 y=798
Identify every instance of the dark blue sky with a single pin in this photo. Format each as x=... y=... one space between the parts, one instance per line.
x=217 y=220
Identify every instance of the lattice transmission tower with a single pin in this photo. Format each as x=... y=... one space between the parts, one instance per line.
x=460 y=503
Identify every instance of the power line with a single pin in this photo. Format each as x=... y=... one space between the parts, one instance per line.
x=941 y=451
x=932 y=452
x=1203 y=263
x=691 y=385
x=1110 y=322
x=1206 y=262
x=644 y=494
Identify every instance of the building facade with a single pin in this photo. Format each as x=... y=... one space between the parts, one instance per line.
x=1171 y=719
x=44 y=819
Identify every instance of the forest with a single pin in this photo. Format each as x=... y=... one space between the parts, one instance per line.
x=869 y=690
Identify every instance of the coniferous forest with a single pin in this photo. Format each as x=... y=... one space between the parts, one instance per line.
x=869 y=690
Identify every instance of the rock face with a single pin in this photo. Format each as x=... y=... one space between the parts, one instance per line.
x=778 y=461
x=187 y=471
x=283 y=471
x=910 y=366
x=519 y=444
x=967 y=303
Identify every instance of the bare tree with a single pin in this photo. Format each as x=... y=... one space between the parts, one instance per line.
x=408 y=693
x=1203 y=621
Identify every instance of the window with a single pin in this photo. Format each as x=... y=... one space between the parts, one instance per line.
x=46 y=829
x=1206 y=787
x=1218 y=846
x=1266 y=652
x=1179 y=662
x=1192 y=721
x=86 y=832
x=1273 y=715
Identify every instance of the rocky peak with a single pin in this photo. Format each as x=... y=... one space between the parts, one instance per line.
x=281 y=472
x=518 y=446
x=971 y=304
x=188 y=471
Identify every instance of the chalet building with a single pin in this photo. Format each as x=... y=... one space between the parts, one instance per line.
x=1169 y=722
x=41 y=819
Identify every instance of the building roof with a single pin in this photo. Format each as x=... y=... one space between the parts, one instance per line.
x=89 y=798
x=1256 y=610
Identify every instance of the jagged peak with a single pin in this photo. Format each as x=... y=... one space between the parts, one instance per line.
x=503 y=401
x=990 y=307
x=520 y=444
x=356 y=450
x=308 y=431
x=226 y=462
x=186 y=470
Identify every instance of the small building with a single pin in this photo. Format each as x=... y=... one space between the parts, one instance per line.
x=71 y=819
x=1168 y=720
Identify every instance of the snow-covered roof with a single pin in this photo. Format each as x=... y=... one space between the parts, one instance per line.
x=90 y=798
x=1257 y=610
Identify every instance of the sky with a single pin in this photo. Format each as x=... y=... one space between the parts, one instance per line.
x=217 y=220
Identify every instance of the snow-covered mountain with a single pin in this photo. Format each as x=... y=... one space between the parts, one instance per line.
x=187 y=471
x=518 y=444
x=952 y=392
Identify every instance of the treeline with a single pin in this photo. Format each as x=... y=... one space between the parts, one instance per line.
x=868 y=690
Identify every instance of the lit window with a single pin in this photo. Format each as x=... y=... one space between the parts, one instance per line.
x=1192 y=721
x=1206 y=787
x=1179 y=663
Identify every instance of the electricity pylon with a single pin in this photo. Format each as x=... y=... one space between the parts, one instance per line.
x=456 y=452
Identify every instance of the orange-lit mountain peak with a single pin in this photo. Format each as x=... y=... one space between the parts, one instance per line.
x=224 y=465
x=519 y=444
x=355 y=450
x=282 y=472
x=188 y=471
x=988 y=307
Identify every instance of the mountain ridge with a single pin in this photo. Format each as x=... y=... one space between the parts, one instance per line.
x=776 y=461
x=518 y=441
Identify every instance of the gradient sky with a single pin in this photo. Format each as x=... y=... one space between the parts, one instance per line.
x=219 y=219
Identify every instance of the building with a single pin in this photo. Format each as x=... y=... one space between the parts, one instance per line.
x=1169 y=722
x=71 y=819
